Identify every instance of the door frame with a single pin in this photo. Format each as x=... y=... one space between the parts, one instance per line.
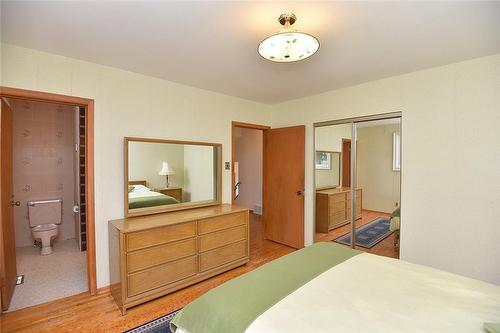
x=262 y=128
x=342 y=161
x=353 y=121
x=88 y=104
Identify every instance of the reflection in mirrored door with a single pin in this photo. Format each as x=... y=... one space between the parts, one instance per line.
x=332 y=179
x=363 y=211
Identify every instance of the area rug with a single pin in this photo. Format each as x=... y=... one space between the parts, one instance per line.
x=160 y=325
x=368 y=235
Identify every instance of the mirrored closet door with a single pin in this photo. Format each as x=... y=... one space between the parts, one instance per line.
x=357 y=167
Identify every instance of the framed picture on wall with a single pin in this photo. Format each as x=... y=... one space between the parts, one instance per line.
x=323 y=160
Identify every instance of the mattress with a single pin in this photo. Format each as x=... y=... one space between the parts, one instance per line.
x=328 y=287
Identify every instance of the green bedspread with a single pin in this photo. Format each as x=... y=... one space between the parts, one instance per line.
x=157 y=200
x=233 y=306
x=492 y=327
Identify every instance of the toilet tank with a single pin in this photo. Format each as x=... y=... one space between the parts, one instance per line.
x=45 y=212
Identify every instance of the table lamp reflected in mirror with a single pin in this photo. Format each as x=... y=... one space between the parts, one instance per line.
x=166 y=171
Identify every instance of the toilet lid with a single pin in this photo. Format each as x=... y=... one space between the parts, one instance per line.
x=45 y=227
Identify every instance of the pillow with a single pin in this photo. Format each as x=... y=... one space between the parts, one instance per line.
x=130 y=188
x=140 y=189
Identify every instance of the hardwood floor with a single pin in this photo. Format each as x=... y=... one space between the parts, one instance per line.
x=85 y=313
x=384 y=248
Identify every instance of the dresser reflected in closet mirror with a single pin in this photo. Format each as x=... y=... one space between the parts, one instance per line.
x=166 y=175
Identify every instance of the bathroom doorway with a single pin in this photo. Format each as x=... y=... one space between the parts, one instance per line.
x=47 y=220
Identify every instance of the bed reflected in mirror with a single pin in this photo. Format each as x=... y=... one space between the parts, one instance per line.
x=164 y=175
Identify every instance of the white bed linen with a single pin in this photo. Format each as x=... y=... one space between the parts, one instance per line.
x=372 y=294
x=141 y=191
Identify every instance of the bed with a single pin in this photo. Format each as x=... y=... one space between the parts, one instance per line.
x=328 y=287
x=140 y=196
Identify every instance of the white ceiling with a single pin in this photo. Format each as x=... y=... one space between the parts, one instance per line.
x=213 y=45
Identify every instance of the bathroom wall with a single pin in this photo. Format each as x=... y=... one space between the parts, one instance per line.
x=43 y=162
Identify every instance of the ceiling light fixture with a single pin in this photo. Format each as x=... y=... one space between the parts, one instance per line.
x=288 y=45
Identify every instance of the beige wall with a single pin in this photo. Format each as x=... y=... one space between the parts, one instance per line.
x=249 y=156
x=450 y=168
x=129 y=104
x=199 y=173
x=450 y=180
x=43 y=163
x=380 y=184
x=145 y=162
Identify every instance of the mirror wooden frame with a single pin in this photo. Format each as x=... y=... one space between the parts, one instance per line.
x=179 y=206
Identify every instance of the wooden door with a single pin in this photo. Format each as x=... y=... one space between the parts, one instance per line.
x=8 y=270
x=346 y=162
x=283 y=208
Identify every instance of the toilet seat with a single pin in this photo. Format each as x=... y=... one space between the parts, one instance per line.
x=44 y=227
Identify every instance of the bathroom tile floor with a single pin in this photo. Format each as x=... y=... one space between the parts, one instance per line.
x=47 y=278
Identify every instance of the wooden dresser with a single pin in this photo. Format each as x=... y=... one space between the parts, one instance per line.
x=154 y=255
x=333 y=207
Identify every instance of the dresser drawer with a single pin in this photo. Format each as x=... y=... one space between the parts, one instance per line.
x=161 y=275
x=160 y=254
x=151 y=237
x=223 y=255
x=221 y=238
x=337 y=198
x=337 y=217
x=221 y=222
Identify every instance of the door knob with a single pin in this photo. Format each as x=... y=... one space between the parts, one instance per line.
x=15 y=203
x=300 y=192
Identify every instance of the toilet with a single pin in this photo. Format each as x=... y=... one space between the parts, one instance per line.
x=44 y=217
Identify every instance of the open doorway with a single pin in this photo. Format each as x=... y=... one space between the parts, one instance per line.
x=282 y=185
x=248 y=168
x=47 y=215
x=247 y=175
x=368 y=217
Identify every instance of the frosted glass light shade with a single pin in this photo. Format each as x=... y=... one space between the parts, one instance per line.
x=165 y=170
x=288 y=46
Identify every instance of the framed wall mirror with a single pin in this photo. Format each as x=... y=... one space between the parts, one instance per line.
x=167 y=175
x=327 y=169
